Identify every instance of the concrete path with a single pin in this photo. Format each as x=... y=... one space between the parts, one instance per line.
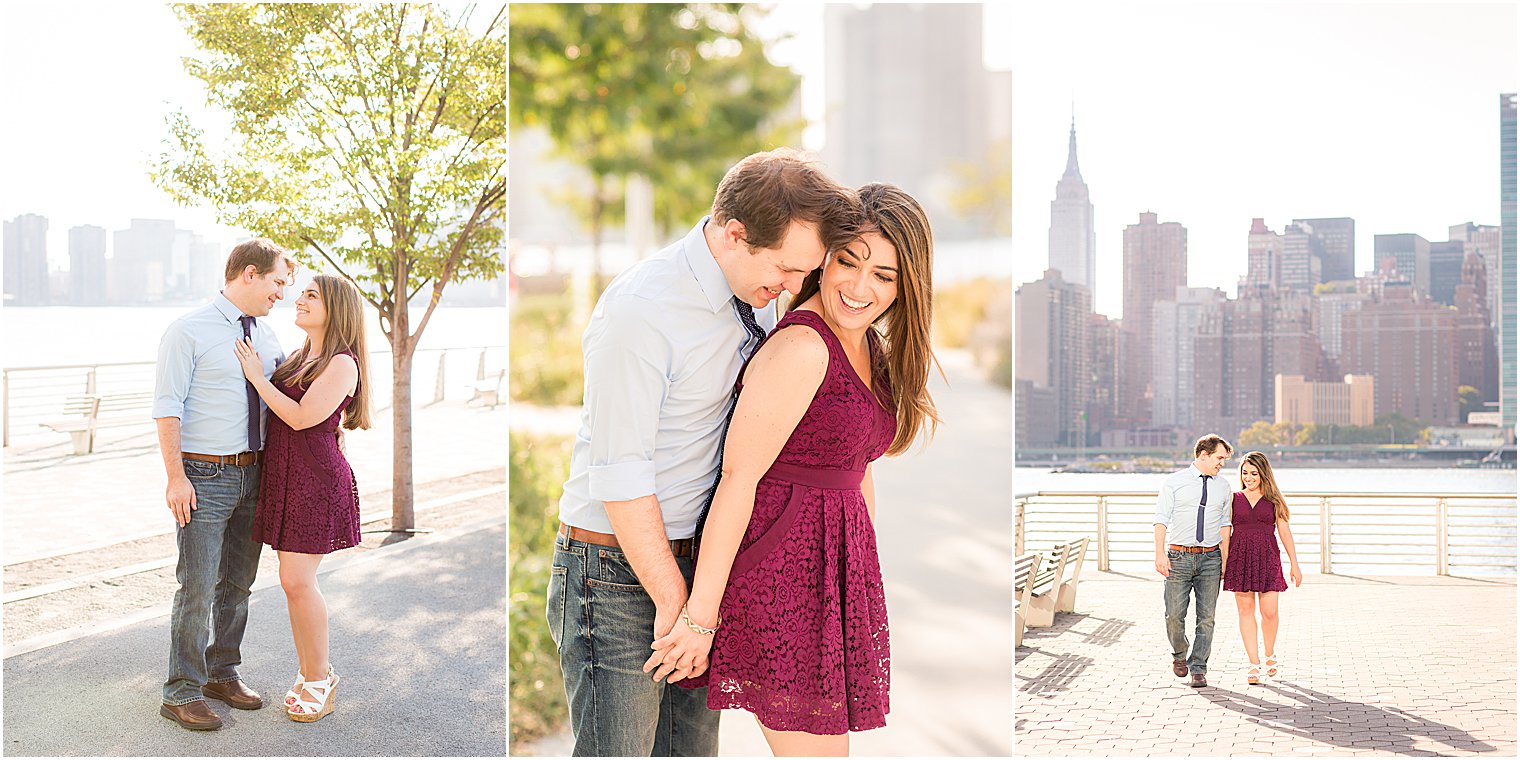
x=945 y=535
x=1372 y=666
x=57 y=502
x=418 y=635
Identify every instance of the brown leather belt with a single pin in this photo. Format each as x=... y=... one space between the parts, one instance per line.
x=680 y=547
x=1191 y=549
x=241 y=460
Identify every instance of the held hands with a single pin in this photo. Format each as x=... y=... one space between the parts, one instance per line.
x=253 y=364
x=1296 y=574
x=679 y=653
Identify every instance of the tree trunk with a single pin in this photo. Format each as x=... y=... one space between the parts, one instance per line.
x=402 y=518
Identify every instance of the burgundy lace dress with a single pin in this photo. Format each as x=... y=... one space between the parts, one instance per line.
x=1255 y=564
x=803 y=644
x=308 y=499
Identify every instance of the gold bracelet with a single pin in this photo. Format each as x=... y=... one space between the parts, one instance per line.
x=686 y=618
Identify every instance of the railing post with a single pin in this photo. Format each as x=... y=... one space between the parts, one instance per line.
x=438 y=386
x=1103 y=534
x=1441 y=536
x=480 y=366
x=89 y=381
x=1324 y=535
x=1018 y=527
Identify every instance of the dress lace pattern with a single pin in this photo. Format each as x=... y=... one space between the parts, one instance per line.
x=308 y=498
x=804 y=641
x=1255 y=564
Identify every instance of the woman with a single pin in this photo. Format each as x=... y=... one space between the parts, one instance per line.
x=788 y=554
x=308 y=500
x=1253 y=569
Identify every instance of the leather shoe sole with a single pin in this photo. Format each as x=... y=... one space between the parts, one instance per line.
x=235 y=694
x=202 y=719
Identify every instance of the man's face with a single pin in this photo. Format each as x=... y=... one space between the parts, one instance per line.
x=1211 y=463
x=759 y=276
x=265 y=290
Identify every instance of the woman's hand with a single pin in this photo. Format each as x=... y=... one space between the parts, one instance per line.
x=253 y=364
x=682 y=653
x=1296 y=574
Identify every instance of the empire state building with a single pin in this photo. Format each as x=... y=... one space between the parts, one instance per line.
x=1073 y=246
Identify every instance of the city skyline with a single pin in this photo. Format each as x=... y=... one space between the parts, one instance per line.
x=1196 y=131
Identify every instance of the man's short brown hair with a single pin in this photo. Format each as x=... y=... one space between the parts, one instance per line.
x=1208 y=443
x=261 y=253
x=767 y=191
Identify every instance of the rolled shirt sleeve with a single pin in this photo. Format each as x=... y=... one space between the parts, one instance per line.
x=1165 y=502
x=628 y=364
x=171 y=375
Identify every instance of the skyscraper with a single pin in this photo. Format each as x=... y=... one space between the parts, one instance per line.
x=1409 y=344
x=1263 y=257
x=1051 y=326
x=1073 y=244
x=1507 y=260
x=1302 y=254
x=1446 y=258
x=1337 y=240
x=1477 y=361
x=1410 y=254
x=26 y=269
x=1483 y=239
x=1175 y=327
x=1155 y=265
x=87 y=265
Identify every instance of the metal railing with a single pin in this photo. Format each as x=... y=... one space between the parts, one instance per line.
x=31 y=396
x=1390 y=533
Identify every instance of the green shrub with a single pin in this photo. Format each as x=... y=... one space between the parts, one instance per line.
x=536 y=478
x=546 y=362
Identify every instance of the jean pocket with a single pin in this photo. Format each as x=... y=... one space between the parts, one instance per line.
x=555 y=610
x=197 y=470
x=615 y=572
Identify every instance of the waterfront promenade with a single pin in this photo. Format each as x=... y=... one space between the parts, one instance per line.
x=1414 y=666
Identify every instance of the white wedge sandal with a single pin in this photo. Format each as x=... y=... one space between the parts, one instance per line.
x=307 y=711
x=1271 y=666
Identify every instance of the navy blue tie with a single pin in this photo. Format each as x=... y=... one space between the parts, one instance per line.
x=253 y=395
x=756 y=335
x=1202 y=501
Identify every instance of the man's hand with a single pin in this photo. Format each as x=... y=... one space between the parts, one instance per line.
x=1163 y=565
x=680 y=654
x=180 y=496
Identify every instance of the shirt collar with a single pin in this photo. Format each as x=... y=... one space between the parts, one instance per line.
x=705 y=268
x=226 y=307
x=1197 y=472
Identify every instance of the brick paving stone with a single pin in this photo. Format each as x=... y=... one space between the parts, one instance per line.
x=1371 y=666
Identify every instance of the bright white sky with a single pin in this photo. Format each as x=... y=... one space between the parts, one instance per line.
x=1210 y=115
x=87 y=87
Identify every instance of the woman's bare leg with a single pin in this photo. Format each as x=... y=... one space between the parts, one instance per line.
x=308 y=612
x=1269 y=621
x=1245 y=605
x=804 y=744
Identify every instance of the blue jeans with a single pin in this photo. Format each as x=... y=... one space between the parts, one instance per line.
x=218 y=560
x=1192 y=575
x=602 y=622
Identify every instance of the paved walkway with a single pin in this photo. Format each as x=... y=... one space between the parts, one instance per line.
x=417 y=634
x=57 y=502
x=1417 y=666
x=945 y=535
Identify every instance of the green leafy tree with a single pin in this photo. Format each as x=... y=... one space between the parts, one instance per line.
x=370 y=135
x=1259 y=435
x=671 y=92
x=985 y=191
x=1469 y=400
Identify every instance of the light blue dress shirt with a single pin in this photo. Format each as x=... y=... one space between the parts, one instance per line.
x=1177 y=507
x=199 y=380
x=663 y=350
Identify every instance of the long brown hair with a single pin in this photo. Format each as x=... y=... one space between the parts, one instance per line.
x=899 y=218
x=1269 y=488
x=344 y=332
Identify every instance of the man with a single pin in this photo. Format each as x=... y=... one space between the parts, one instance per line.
x=663 y=350
x=1191 y=510
x=210 y=432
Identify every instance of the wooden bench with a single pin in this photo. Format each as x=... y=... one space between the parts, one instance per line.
x=94 y=411
x=488 y=389
x=1066 y=597
x=1040 y=610
x=1025 y=569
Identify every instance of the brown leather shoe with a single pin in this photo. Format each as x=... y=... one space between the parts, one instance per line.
x=235 y=694
x=196 y=716
x=1199 y=680
x=1179 y=668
